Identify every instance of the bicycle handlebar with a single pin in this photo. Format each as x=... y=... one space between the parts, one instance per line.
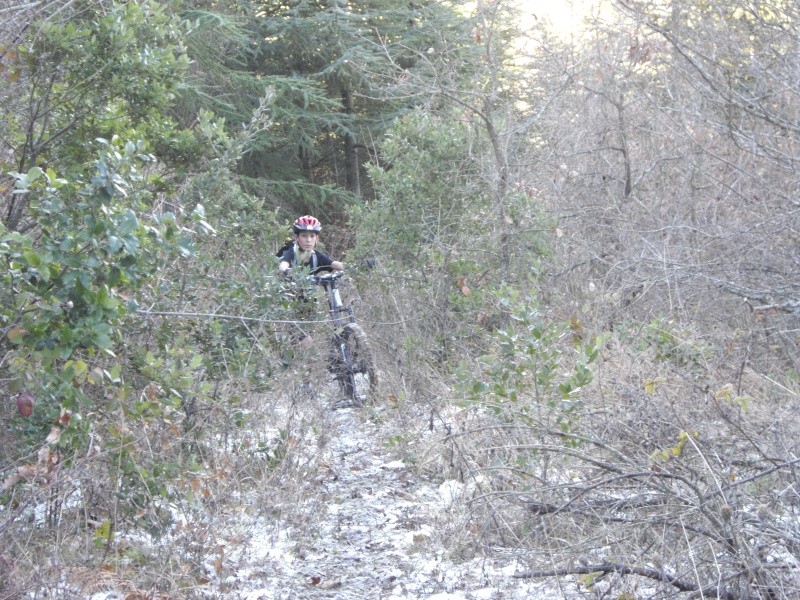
x=316 y=279
x=325 y=277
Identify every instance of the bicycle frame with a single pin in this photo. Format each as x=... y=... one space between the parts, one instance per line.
x=352 y=359
x=340 y=314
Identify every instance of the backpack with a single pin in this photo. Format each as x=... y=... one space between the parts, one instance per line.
x=287 y=243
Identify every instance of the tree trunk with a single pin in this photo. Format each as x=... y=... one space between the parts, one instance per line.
x=350 y=149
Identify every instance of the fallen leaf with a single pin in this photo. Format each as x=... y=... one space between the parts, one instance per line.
x=55 y=433
x=331 y=585
x=11 y=481
x=15 y=334
x=25 y=402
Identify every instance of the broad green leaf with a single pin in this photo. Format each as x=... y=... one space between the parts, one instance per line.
x=129 y=223
x=32 y=257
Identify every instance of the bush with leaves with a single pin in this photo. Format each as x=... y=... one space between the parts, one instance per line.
x=650 y=478
x=101 y=383
x=433 y=233
x=68 y=290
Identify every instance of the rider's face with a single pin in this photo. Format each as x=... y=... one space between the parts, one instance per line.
x=306 y=240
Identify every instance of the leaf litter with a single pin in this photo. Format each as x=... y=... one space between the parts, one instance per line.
x=365 y=525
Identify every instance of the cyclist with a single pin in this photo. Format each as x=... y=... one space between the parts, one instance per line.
x=302 y=252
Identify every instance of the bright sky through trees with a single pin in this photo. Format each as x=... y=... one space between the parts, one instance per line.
x=566 y=17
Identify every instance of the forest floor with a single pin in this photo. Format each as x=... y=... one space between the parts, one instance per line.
x=362 y=524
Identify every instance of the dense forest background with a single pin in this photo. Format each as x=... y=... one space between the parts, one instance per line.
x=583 y=296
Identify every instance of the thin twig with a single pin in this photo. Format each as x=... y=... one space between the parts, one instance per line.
x=196 y=315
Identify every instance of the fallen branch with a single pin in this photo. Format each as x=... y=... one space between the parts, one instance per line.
x=681 y=585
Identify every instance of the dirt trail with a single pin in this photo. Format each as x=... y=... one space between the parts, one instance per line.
x=368 y=528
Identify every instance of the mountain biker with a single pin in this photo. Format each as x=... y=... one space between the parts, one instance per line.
x=302 y=252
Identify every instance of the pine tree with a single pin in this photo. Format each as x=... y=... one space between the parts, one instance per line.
x=350 y=50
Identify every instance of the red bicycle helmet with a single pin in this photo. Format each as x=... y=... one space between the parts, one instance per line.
x=307 y=223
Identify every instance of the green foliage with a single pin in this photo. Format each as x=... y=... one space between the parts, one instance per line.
x=106 y=69
x=428 y=206
x=276 y=450
x=334 y=66
x=432 y=209
x=143 y=480
x=728 y=394
x=676 y=450
x=66 y=294
x=72 y=336
x=221 y=82
x=668 y=343
x=536 y=368
x=433 y=221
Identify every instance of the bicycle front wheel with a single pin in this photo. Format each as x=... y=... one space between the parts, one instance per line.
x=356 y=371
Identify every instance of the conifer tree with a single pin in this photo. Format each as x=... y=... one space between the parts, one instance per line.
x=345 y=48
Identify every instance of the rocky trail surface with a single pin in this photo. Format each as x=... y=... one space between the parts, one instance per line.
x=367 y=527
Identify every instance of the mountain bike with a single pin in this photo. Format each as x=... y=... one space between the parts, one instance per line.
x=350 y=360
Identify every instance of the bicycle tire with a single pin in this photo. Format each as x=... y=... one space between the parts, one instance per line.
x=356 y=371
